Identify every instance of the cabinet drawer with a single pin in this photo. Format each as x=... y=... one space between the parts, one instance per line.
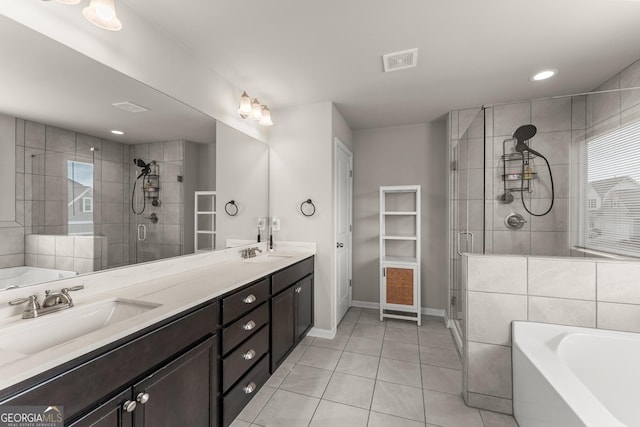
x=290 y=275
x=244 y=327
x=244 y=300
x=244 y=357
x=242 y=393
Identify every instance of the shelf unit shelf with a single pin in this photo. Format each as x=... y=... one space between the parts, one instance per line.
x=204 y=221
x=400 y=253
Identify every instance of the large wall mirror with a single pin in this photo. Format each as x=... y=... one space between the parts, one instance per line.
x=77 y=199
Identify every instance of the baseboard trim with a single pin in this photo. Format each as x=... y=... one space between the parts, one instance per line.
x=322 y=333
x=376 y=306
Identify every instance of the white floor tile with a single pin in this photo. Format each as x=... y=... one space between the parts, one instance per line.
x=331 y=414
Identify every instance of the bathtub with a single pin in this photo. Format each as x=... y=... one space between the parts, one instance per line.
x=16 y=277
x=568 y=376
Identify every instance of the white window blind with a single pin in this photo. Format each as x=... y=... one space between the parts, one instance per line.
x=612 y=192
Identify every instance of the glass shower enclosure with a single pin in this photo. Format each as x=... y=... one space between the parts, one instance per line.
x=497 y=194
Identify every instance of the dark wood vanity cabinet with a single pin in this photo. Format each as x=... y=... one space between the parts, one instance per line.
x=173 y=363
x=198 y=368
x=291 y=309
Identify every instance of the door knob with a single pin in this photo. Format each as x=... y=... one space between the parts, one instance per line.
x=129 y=406
x=143 y=397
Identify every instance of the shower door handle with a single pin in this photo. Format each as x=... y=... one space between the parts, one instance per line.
x=458 y=241
x=142 y=232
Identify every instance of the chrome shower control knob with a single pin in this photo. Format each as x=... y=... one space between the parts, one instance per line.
x=143 y=397
x=514 y=221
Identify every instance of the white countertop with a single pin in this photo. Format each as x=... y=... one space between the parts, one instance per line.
x=176 y=284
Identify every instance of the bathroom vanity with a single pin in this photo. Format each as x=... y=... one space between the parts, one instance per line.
x=198 y=366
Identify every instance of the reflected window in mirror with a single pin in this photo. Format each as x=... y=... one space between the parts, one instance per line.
x=80 y=198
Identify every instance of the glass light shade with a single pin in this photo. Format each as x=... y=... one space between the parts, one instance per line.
x=245 y=105
x=266 y=117
x=256 y=110
x=102 y=13
x=69 y=1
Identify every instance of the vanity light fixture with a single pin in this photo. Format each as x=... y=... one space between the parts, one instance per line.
x=117 y=132
x=251 y=108
x=245 y=105
x=102 y=13
x=543 y=75
x=266 y=117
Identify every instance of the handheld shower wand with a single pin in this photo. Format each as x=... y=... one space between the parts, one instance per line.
x=523 y=134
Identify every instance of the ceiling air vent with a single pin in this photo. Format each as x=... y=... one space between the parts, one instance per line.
x=400 y=60
x=130 y=107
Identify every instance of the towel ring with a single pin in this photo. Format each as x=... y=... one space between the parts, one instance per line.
x=307 y=208
x=231 y=208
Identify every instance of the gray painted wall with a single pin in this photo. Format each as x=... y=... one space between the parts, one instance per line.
x=414 y=154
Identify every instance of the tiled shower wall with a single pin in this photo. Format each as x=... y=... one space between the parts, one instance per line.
x=42 y=152
x=164 y=238
x=46 y=152
x=499 y=289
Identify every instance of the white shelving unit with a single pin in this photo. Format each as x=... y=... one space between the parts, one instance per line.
x=204 y=238
x=400 y=252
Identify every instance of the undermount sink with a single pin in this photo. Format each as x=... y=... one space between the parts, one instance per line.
x=31 y=336
x=267 y=258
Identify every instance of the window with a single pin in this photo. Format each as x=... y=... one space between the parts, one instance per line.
x=87 y=204
x=612 y=181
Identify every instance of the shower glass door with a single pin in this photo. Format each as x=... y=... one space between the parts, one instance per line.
x=467 y=181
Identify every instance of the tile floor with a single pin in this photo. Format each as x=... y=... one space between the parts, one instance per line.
x=374 y=374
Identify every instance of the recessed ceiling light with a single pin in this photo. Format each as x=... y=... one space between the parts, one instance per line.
x=543 y=75
x=117 y=132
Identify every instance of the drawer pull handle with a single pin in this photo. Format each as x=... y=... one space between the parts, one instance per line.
x=250 y=299
x=129 y=406
x=250 y=388
x=249 y=325
x=249 y=354
x=299 y=289
x=143 y=397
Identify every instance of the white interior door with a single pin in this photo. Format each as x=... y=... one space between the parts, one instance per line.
x=343 y=202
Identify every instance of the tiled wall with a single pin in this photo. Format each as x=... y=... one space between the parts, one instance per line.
x=82 y=254
x=587 y=292
x=164 y=239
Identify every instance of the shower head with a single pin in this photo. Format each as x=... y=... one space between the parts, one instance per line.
x=522 y=135
x=146 y=167
x=140 y=163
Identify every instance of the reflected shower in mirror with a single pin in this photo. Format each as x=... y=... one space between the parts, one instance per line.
x=70 y=191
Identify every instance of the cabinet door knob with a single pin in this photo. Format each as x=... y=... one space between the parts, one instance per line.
x=299 y=289
x=250 y=388
x=249 y=325
x=129 y=406
x=249 y=299
x=249 y=354
x=143 y=397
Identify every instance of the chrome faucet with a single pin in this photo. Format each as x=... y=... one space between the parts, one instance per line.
x=52 y=302
x=250 y=252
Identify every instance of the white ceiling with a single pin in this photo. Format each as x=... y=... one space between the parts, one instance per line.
x=471 y=52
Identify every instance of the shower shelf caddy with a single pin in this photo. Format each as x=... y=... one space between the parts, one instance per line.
x=400 y=252
x=516 y=177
